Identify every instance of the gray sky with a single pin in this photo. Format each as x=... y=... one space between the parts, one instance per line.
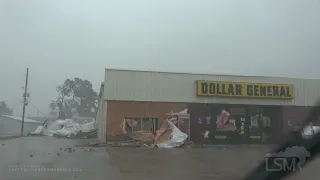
x=79 y=38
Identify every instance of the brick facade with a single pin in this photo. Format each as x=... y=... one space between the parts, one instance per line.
x=118 y=110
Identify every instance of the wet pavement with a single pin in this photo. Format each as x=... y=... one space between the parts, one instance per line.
x=191 y=164
x=35 y=158
x=39 y=158
x=186 y=163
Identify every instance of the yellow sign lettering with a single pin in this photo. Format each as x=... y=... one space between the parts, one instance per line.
x=249 y=90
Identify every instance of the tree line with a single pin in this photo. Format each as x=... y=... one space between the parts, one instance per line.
x=4 y=109
x=75 y=97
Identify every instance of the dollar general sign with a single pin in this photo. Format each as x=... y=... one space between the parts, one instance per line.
x=248 y=90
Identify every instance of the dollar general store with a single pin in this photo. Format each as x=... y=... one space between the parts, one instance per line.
x=148 y=96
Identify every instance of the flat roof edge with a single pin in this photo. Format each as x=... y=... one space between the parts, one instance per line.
x=189 y=73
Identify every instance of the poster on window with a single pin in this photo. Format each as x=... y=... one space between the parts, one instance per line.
x=217 y=120
x=254 y=121
x=199 y=120
x=208 y=119
x=224 y=118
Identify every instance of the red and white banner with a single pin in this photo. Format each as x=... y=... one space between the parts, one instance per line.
x=223 y=119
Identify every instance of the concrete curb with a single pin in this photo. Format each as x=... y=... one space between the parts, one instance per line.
x=9 y=137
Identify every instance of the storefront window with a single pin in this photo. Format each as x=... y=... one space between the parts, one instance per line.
x=254 y=121
x=145 y=124
x=138 y=126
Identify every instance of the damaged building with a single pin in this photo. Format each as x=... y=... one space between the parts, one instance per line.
x=257 y=109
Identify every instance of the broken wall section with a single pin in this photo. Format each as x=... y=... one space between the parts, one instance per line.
x=167 y=136
x=117 y=111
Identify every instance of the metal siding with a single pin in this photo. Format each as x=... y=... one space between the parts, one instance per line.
x=13 y=127
x=178 y=87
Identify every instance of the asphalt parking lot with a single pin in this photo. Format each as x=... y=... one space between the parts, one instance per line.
x=195 y=163
x=21 y=156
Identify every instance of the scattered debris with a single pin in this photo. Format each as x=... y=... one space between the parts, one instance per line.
x=69 y=150
x=189 y=144
x=95 y=144
x=3 y=144
x=168 y=136
x=31 y=155
x=130 y=143
x=135 y=143
x=141 y=135
x=58 y=154
x=68 y=128
x=206 y=134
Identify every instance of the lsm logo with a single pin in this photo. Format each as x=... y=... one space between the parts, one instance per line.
x=287 y=160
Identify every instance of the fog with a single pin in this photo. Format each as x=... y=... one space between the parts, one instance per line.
x=79 y=38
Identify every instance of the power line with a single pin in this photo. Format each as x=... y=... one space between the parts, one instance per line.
x=37 y=109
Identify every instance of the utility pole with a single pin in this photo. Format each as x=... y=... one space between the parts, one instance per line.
x=24 y=101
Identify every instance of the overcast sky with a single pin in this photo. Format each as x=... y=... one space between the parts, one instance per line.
x=79 y=38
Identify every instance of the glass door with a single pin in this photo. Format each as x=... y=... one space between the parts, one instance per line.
x=238 y=118
x=254 y=123
x=240 y=121
x=266 y=129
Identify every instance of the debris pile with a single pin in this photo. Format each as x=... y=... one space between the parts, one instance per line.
x=130 y=143
x=189 y=144
x=168 y=136
x=135 y=143
x=173 y=132
x=67 y=128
